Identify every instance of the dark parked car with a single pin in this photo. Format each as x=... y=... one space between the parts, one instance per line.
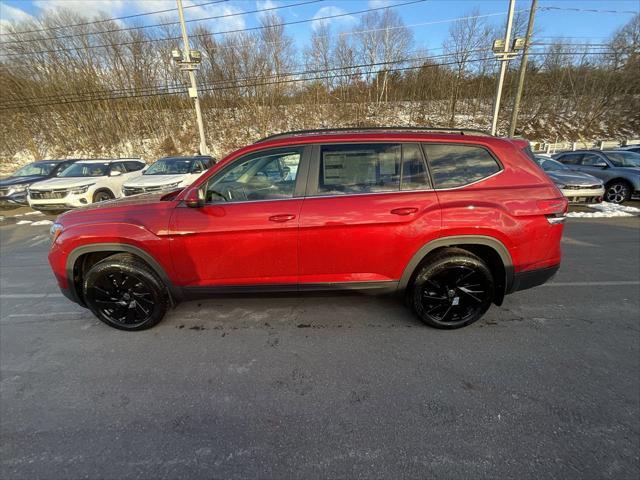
x=13 y=189
x=630 y=148
x=578 y=187
x=454 y=220
x=618 y=169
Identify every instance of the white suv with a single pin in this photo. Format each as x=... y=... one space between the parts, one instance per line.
x=84 y=182
x=167 y=174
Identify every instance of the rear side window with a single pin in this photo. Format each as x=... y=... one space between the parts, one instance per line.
x=457 y=165
x=352 y=169
x=570 y=158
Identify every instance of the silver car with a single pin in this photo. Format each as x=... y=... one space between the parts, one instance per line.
x=578 y=187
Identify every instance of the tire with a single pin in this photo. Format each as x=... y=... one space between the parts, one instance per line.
x=102 y=196
x=125 y=293
x=617 y=192
x=452 y=290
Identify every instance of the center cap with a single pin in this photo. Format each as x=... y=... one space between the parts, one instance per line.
x=126 y=296
x=451 y=293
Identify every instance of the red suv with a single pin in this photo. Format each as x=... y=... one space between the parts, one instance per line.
x=453 y=219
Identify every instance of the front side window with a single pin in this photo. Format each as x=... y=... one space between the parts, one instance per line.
x=263 y=177
x=570 y=158
x=352 y=169
x=457 y=165
x=81 y=169
x=592 y=160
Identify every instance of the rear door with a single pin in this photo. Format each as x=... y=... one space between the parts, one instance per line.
x=368 y=208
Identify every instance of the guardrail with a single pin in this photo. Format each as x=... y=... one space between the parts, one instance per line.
x=548 y=147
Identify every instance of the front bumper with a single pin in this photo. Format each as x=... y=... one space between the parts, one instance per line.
x=68 y=202
x=584 y=195
x=14 y=200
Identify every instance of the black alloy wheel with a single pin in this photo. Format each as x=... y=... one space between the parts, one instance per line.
x=452 y=290
x=617 y=192
x=125 y=293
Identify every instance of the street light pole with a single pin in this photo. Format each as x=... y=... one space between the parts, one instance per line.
x=504 y=60
x=188 y=65
x=523 y=69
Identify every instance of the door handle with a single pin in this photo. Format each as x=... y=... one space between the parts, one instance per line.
x=281 y=218
x=404 y=211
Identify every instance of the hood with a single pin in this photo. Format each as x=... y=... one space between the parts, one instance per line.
x=6 y=182
x=155 y=180
x=66 y=182
x=573 y=178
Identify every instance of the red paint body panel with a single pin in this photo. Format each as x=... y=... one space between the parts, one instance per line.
x=350 y=238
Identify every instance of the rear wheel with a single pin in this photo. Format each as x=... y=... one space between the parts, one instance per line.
x=453 y=289
x=102 y=196
x=618 y=192
x=125 y=293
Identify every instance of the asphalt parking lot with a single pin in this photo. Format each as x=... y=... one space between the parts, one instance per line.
x=347 y=386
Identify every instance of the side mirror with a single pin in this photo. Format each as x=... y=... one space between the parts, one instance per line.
x=115 y=173
x=195 y=198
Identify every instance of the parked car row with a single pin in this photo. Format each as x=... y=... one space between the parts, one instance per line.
x=578 y=187
x=59 y=185
x=619 y=170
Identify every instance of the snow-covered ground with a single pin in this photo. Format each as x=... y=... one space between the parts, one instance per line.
x=607 y=210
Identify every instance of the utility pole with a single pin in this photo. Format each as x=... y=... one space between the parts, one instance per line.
x=523 y=69
x=189 y=61
x=504 y=56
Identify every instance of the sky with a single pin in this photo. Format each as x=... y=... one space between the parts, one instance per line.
x=429 y=20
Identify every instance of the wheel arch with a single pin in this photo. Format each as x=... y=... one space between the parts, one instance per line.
x=490 y=249
x=103 y=189
x=75 y=265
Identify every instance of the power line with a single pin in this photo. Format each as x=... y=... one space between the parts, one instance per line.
x=238 y=30
x=126 y=17
x=233 y=84
x=155 y=25
x=588 y=10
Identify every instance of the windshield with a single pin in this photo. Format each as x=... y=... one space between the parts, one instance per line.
x=549 y=165
x=624 y=159
x=81 y=169
x=38 y=168
x=170 y=166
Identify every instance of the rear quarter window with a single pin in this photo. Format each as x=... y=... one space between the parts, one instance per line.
x=458 y=165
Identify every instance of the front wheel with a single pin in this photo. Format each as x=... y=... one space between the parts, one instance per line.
x=125 y=293
x=453 y=289
x=102 y=196
x=617 y=192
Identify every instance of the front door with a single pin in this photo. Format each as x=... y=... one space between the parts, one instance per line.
x=369 y=207
x=247 y=231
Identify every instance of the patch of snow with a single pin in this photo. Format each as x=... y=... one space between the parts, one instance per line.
x=606 y=210
x=24 y=222
x=42 y=222
x=33 y=213
x=614 y=207
x=1 y=218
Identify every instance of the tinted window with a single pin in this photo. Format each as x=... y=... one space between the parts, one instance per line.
x=88 y=169
x=198 y=167
x=591 y=160
x=39 y=168
x=266 y=177
x=414 y=171
x=118 y=167
x=624 y=159
x=457 y=165
x=349 y=169
x=570 y=158
x=134 y=166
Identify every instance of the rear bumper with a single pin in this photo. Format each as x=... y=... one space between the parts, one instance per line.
x=532 y=278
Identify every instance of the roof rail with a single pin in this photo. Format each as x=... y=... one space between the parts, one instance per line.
x=458 y=131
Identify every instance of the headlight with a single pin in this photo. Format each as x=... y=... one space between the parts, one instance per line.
x=17 y=189
x=171 y=185
x=80 y=190
x=55 y=231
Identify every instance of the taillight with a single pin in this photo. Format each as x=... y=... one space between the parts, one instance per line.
x=554 y=209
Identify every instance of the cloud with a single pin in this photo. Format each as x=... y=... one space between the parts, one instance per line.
x=11 y=15
x=89 y=8
x=329 y=11
x=379 y=3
